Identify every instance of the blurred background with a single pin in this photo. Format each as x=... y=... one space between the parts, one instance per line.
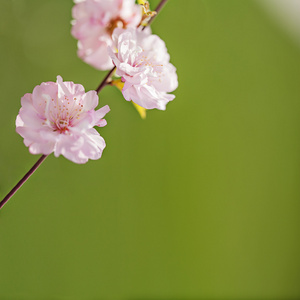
x=200 y=201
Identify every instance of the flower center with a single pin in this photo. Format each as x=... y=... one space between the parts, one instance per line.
x=62 y=125
x=61 y=114
x=115 y=23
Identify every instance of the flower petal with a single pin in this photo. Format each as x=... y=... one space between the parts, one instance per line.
x=90 y=100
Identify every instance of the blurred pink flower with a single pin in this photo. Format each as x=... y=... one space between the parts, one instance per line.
x=59 y=117
x=93 y=24
x=142 y=60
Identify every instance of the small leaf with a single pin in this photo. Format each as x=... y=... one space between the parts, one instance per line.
x=141 y=110
x=118 y=83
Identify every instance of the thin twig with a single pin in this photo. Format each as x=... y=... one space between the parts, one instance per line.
x=104 y=81
x=157 y=9
x=22 y=181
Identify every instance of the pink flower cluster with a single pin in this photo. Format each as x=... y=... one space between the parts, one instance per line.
x=59 y=117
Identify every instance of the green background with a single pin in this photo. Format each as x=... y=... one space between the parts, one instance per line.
x=199 y=201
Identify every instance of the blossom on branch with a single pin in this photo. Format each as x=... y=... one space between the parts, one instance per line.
x=93 y=24
x=59 y=117
x=142 y=61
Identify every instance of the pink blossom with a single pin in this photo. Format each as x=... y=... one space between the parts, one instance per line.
x=93 y=24
x=142 y=60
x=59 y=117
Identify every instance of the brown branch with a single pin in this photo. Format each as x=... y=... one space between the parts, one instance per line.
x=22 y=181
